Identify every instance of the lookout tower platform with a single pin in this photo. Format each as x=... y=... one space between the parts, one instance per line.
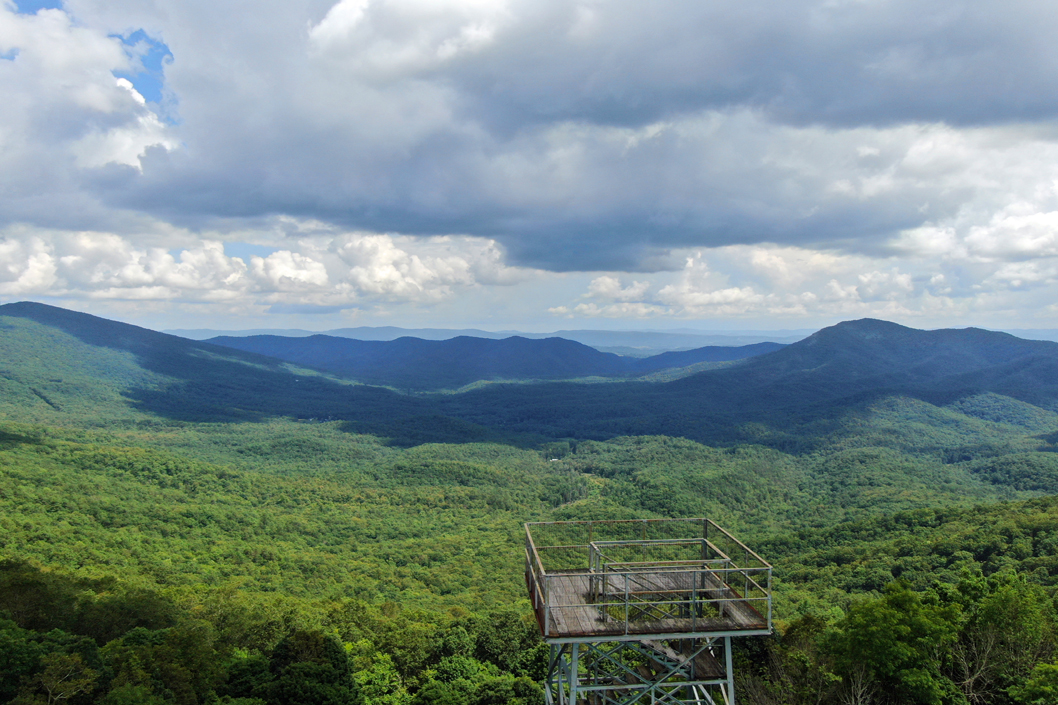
x=643 y=608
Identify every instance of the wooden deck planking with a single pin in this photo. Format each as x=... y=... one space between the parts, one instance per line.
x=572 y=614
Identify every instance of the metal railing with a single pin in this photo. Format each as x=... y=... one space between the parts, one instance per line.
x=675 y=576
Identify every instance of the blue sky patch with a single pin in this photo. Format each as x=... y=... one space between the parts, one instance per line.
x=10 y=56
x=153 y=56
x=30 y=7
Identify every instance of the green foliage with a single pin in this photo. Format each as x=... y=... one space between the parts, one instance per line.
x=62 y=678
x=894 y=641
x=20 y=655
x=1021 y=471
x=184 y=525
x=378 y=680
x=310 y=668
x=1006 y=628
x=1040 y=689
x=389 y=655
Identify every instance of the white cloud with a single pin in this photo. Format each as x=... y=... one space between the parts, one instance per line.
x=835 y=291
x=289 y=271
x=26 y=267
x=1024 y=274
x=608 y=287
x=773 y=282
x=825 y=158
x=64 y=111
x=335 y=269
x=1012 y=235
x=70 y=64
x=339 y=22
x=124 y=144
x=888 y=285
x=379 y=266
x=617 y=310
x=393 y=38
x=107 y=265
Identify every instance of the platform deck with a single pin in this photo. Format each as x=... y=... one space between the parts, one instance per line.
x=571 y=612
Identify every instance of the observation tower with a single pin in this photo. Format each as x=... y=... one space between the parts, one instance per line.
x=643 y=611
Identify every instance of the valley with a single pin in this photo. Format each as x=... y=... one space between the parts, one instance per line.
x=152 y=486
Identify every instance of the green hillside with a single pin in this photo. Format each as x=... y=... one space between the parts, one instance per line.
x=417 y=544
x=178 y=522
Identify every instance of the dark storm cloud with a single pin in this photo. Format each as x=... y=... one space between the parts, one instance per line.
x=839 y=63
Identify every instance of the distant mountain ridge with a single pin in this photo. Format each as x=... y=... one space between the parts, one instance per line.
x=414 y=363
x=59 y=364
x=793 y=394
x=638 y=343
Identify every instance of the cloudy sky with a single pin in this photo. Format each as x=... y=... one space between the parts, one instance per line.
x=537 y=164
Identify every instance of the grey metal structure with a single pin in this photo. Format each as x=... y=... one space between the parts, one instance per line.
x=643 y=611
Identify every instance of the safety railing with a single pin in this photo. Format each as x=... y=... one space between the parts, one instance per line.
x=710 y=582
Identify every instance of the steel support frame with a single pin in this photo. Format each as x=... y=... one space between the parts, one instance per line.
x=645 y=672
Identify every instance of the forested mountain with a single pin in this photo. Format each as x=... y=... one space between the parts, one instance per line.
x=416 y=364
x=869 y=356
x=186 y=523
x=63 y=363
x=790 y=396
x=636 y=343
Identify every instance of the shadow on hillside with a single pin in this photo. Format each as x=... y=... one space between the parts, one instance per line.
x=208 y=383
x=419 y=430
x=9 y=439
x=1050 y=442
x=231 y=392
x=212 y=384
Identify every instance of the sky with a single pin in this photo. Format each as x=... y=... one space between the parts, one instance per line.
x=531 y=164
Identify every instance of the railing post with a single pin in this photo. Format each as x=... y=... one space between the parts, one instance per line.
x=694 y=601
x=547 y=605
x=769 y=598
x=745 y=567
x=626 y=603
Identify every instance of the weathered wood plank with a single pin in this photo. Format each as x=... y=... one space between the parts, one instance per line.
x=573 y=614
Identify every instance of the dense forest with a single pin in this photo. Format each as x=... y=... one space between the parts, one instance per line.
x=183 y=523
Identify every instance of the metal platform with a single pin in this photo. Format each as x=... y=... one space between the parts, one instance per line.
x=659 y=586
x=643 y=611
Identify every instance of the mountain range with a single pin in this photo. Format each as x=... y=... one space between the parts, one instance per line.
x=61 y=360
x=642 y=343
x=416 y=364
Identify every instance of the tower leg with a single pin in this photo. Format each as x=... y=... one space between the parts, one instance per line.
x=675 y=672
x=574 y=675
x=730 y=671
